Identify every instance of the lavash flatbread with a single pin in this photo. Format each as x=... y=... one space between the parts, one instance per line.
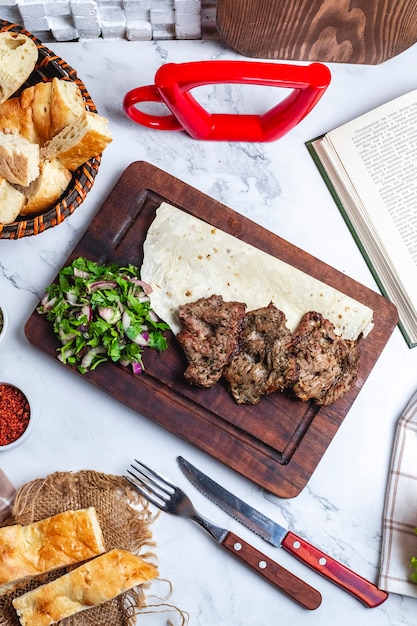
x=186 y=258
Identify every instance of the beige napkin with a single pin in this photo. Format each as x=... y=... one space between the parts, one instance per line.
x=7 y=493
x=400 y=511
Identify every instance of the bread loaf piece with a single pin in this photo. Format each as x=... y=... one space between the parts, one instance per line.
x=11 y=203
x=67 y=104
x=46 y=190
x=18 y=56
x=19 y=159
x=86 y=137
x=51 y=543
x=93 y=583
x=16 y=117
x=43 y=110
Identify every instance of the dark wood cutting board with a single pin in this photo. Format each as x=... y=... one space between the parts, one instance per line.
x=276 y=443
x=365 y=31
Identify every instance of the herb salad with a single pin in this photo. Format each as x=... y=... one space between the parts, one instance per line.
x=102 y=313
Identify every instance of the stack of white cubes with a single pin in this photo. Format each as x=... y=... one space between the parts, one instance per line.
x=71 y=20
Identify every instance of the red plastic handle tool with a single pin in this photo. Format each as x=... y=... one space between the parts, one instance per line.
x=173 y=83
x=361 y=588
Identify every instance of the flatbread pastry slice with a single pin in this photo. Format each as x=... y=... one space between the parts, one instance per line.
x=93 y=583
x=46 y=545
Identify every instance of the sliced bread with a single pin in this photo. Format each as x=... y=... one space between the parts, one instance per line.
x=46 y=190
x=16 y=117
x=19 y=159
x=42 y=110
x=18 y=56
x=67 y=104
x=86 y=137
x=11 y=202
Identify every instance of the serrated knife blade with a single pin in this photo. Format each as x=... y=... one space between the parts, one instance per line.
x=278 y=536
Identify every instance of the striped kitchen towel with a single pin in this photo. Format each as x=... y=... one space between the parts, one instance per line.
x=7 y=493
x=399 y=543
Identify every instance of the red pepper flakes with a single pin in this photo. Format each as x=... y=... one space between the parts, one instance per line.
x=14 y=414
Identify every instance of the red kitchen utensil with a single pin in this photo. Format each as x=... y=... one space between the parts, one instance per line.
x=173 y=84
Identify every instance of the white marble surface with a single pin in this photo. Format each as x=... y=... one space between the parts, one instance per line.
x=78 y=427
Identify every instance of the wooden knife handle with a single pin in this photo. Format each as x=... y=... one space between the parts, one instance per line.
x=284 y=580
x=362 y=589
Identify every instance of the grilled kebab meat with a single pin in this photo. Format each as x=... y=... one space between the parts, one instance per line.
x=328 y=363
x=257 y=354
x=209 y=337
x=264 y=363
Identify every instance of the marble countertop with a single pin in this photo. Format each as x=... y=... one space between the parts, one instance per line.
x=78 y=427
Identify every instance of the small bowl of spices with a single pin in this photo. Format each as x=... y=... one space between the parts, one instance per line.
x=3 y=321
x=15 y=416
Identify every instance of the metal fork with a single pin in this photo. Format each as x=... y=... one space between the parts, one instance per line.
x=168 y=497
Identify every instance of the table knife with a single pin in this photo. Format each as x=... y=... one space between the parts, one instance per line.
x=278 y=536
x=169 y=497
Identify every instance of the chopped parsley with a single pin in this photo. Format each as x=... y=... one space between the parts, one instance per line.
x=102 y=313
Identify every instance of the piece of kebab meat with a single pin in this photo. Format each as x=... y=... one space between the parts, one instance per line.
x=264 y=363
x=209 y=337
x=328 y=364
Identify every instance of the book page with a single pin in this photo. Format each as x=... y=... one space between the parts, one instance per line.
x=379 y=153
x=388 y=148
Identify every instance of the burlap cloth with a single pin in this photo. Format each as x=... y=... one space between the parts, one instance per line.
x=125 y=520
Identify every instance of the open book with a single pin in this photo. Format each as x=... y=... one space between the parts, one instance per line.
x=370 y=168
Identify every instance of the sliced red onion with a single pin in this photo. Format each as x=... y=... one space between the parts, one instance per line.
x=81 y=273
x=72 y=298
x=125 y=320
x=64 y=356
x=153 y=315
x=111 y=316
x=101 y=284
x=140 y=283
x=89 y=356
x=137 y=368
x=142 y=339
x=88 y=312
x=47 y=303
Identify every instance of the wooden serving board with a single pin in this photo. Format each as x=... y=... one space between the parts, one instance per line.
x=366 y=31
x=278 y=442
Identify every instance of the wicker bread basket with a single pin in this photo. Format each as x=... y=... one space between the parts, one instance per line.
x=49 y=65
